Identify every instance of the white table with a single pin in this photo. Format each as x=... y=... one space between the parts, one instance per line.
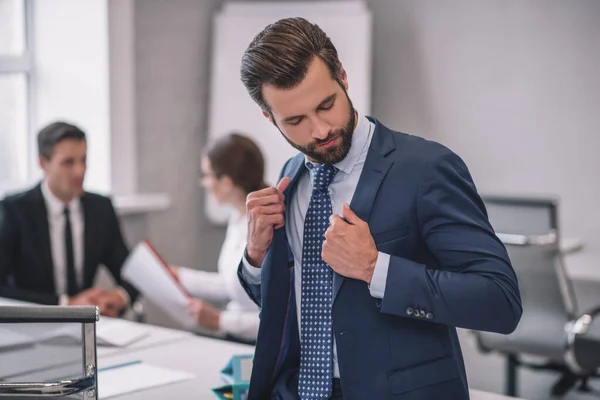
x=203 y=357
x=157 y=336
x=174 y=349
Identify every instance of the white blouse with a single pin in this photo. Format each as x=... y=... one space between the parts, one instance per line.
x=240 y=318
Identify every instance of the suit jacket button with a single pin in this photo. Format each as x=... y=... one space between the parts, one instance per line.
x=429 y=315
x=421 y=313
x=409 y=311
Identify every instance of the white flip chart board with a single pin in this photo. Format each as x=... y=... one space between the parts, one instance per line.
x=347 y=23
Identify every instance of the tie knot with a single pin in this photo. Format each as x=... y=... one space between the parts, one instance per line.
x=323 y=175
x=66 y=211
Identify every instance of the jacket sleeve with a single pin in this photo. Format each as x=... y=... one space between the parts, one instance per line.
x=250 y=280
x=116 y=253
x=208 y=286
x=475 y=286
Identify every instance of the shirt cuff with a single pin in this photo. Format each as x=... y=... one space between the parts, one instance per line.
x=63 y=300
x=185 y=275
x=379 y=278
x=250 y=273
x=227 y=322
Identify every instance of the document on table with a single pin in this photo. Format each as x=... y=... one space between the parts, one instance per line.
x=133 y=377
x=118 y=333
x=146 y=270
x=11 y=339
x=110 y=332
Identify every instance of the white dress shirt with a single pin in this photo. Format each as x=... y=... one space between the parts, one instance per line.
x=341 y=190
x=240 y=318
x=56 y=224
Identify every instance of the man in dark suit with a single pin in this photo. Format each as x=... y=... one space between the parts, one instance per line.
x=372 y=249
x=54 y=236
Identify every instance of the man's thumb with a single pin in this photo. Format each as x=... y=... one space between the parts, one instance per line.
x=349 y=215
x=283 y=184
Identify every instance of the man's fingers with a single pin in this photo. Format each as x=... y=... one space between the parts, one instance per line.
x=279 y=226
x=93 y=294
x=264 y=201
x=349 y=215
x=267 y=196
x=275 y=219
x=273 y=209
x=266 y=192
x=335 y=219
x=94 y=291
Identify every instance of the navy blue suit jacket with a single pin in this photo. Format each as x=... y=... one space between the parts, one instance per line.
x=447 y=269
x=26 y=266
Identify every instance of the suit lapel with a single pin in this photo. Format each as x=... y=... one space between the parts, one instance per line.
x=40 y=218
x=294 y=169
x=276 y=296
x=374 y=171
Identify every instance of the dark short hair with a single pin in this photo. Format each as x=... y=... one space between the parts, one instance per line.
x=55 y=133
x=239 y=158
x=280 y=56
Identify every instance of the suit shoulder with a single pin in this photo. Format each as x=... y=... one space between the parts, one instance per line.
x=291 y=162
x=418 y=149
x=96 y=199
x=19 y=198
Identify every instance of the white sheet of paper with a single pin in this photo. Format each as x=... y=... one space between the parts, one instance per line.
x=10 y=339
x=114 y=332
x=132 y=378
x=145 y=271
x=110 y=332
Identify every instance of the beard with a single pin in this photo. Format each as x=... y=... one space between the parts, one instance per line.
x=336 y=153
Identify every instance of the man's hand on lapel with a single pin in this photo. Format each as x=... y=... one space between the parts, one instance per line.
x=265 y=209
x=349 y=248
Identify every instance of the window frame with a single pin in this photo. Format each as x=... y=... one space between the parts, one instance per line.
x=24 y=64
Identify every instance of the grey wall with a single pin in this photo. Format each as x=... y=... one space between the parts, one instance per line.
x=512 y=86
x=172 y=50
x=170 y=68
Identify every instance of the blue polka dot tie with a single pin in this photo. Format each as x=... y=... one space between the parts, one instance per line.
x=316 y=340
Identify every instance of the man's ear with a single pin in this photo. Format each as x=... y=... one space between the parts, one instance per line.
x=344 y=76
x=42 y=162
x=267 y=115
x=227 y=181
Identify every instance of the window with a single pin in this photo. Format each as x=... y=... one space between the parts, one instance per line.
x=15 y=73
x=47 y=73
x=12 y=27
x=13 y=127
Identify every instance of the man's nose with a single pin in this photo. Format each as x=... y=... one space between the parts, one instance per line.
x=321 y=129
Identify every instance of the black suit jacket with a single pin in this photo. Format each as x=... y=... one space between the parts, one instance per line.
x=26 y=267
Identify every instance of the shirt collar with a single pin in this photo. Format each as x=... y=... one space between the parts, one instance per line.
x=54 y=205
x=359 y=140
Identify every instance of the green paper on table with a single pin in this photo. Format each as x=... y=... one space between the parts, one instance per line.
x=236 y=375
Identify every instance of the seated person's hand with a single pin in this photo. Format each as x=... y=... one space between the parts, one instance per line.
x=89 y=297
x=206 y=315
x=174 y=271
x=112 y=302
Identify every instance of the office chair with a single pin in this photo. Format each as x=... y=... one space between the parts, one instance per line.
x=35 y=354
x=551 y=327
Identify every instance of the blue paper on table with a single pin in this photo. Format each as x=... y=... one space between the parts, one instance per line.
x=236 y=374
